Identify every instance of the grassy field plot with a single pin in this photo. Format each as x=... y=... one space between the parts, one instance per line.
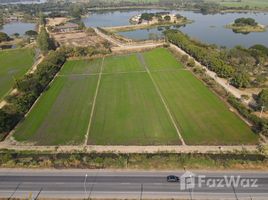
x=161 y=59
x=242 y=3
x=61 y=116
x=124 y=63
x=13 y=64
x=129 y=111
x=202 y=117
x=81 y=67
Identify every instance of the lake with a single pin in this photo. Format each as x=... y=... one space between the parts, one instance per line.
x=206 y=28
x=17 y=27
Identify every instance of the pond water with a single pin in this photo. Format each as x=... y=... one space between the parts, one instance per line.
x=17 y=27
x=206 y=28
x=112 y=18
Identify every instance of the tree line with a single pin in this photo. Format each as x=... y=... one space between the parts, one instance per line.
x=44 y=42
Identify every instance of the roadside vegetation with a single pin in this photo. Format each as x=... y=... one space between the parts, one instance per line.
x=157 y=161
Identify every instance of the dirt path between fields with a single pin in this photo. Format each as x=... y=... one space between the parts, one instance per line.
x=94 y=103
x=132 y=149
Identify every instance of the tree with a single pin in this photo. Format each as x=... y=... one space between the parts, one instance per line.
x=81 y=25
x=7 y=121
x=16 y=35
x=75 y=11
x=262 y=99
x=167 y=18
x=260 y=48
x=1 y=20
x=44 y=42
x=245 y=21
x=178 y=16
x=147 y=16
x=240 y=80
x=42 y=19
x=31 y=33
x=4 y=37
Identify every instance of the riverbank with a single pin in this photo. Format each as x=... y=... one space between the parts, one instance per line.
x=143 y=7
x=246 y=29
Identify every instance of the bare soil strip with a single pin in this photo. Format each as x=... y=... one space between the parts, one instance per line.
x=94 y=103
x=162 y=98
x=133 y=149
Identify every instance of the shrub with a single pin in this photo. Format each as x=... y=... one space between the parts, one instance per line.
x=262 y=100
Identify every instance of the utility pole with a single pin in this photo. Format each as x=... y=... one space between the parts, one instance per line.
x=85 y=185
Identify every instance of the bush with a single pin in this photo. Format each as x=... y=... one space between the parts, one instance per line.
x=245 y=22
x=262 y=100
x=259 y=125
x=4 y=37
x=240 y=80
x=191 y=63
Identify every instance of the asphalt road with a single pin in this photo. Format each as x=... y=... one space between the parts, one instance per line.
x=133 y=185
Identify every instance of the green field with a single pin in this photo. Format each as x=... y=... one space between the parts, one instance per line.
x=13 y=64
x=129 y=111
x=140 y=100
x=203 y=118
x=160 y=59
x=242 y=3
x=118 y=64
x=61 y=116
